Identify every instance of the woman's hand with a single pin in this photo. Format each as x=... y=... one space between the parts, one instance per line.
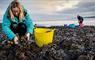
x=28 y=36
x=16 y=40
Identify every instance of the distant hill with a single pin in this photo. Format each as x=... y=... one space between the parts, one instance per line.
x=89 y=17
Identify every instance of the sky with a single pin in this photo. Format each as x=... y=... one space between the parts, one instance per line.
x=54 y=9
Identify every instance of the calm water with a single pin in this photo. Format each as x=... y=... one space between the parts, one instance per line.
x=87 y=21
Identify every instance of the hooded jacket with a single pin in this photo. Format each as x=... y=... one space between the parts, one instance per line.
x=7 y=22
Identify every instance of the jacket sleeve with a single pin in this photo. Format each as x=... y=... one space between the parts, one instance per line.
x=29 y=24
x=6 y=28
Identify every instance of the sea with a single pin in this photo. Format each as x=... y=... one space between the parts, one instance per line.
x=87 y=21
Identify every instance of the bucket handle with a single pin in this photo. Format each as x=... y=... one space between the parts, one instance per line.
x=50 y=30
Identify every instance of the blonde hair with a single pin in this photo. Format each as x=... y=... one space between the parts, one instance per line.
x=16 y=4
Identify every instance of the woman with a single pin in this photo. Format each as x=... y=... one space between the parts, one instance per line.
x=16 y=20
x=80 y=19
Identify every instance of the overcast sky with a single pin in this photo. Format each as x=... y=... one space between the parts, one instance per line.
x=54 y=9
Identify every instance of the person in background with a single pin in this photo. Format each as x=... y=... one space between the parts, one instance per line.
x=16 y=20
x=80 y=20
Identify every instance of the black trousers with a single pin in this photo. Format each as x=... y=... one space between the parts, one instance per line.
x=20 y=28
x=80 y=21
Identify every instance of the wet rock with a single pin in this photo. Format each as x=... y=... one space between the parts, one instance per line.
x=83 y=57
x=68 y=44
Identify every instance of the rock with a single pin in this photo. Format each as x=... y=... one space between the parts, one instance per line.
x=83 y=57
x=68 y=44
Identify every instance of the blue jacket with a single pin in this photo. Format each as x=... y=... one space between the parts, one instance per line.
x=7 y=22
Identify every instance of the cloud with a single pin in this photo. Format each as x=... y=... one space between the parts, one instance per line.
x=60 y=9
x=49 y=6
x=67 y=5
x=85 y=8
x=0 y=14
x=0 y=11
x=55 y=9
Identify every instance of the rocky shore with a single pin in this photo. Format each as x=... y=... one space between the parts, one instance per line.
x=68 y=44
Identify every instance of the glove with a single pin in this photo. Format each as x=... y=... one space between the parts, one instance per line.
x=16 y=40
x=28 y=36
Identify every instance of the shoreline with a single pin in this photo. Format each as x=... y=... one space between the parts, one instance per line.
x=61 y=23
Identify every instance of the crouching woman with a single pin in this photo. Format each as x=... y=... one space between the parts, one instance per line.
x=16 y=20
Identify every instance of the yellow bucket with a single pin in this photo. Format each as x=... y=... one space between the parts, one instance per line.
x=43 y=36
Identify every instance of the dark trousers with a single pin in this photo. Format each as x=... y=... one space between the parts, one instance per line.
x=80 y=21
x=20 y=28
